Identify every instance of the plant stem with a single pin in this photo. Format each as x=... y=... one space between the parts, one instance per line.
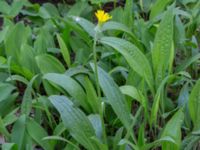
x=97 y=85
x=96 y=67
x=115 y=3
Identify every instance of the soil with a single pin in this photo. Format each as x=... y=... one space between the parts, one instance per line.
x=52 y=1
x=109 y=6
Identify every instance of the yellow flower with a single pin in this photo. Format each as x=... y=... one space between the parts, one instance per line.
x=102 y=16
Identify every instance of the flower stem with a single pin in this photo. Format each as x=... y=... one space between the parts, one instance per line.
x=98 y=86
x=96 y=67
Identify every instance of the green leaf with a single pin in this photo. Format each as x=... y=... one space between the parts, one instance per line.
x=70 y=86
x=11 y=117
x=27 y=98
x=77 y=29
x=128 y=15
x=3 y=129
x=132 y=92
x=158 y=142
x=157 y=98
x=117 y=138
x=50 y=9
x=92 y=98
x=27 y=58
x=18 y=132
x=9 y=146
x=7 y=105
x=38 y=133
x=59 y=129
x=75 y=121
x=163 y=51
x=183 y=95
x=19 y=69
x=114 y=96
x=99 y=144
x=64 y=50
x=97 y=125
x=13 y=41
x=194 y=105
x=4 y=7
x=112 y=25
x=48 y=64
x=76 y=71
x=98 y=2
x=188 y=62
x=16 y=7
x=43 y=13
x=44 y=40
x=79 y=8
x=4 y=31
x=135 y=94
x=173 y=130
x=17 y=78
x=158 y=7
x=141 y=136
x=88 y=26
x=58 y=138
x=190 y=142
x=6 y=90
x=127 y=142
x=135 y=58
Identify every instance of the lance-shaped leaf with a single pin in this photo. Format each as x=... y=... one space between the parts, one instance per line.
x=71 y=86
x=75 y=121
x=194 y=105
x=135 y=58
x=163 y=52
x=114 y=96
x=173 y=130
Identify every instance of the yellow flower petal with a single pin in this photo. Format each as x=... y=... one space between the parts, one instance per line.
x=102 y=16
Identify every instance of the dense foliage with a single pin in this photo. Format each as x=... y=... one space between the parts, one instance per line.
x=122 y=80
